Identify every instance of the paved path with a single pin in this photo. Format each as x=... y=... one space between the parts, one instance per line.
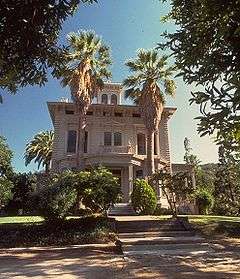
x=102 y=262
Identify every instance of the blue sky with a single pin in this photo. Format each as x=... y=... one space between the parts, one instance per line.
x=125 y=26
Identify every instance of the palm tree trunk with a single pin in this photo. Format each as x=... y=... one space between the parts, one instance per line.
x=47 y=168
x=80 y=152
x=150 y=153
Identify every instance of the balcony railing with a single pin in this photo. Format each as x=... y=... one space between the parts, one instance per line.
x=114 y=149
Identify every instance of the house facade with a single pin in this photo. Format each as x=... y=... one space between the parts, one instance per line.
x=115 y=137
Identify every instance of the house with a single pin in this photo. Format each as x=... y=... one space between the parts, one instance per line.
x=115 y=137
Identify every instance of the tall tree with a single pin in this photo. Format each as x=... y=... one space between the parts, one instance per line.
x=189 y=157
x=5 y=159
x=147 y=86
x=28 y=39
x=206 y=48
x=6 y=172
x=227 y=184
x=84 y=69
x=40 y=150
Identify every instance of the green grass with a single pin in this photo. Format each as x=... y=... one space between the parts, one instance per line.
x=20 y=219
x=29 y=231
x=26 y=219
x=209 y=219
x=216 y=226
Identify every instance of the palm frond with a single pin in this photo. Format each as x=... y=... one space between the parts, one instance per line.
x=40 y=149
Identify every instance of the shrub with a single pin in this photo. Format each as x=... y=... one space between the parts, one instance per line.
x=5 y=191
x=24 y=185
x=144 y=199
x=97 y=189
x=205 y=200
x=162 y=210
x=56 y=199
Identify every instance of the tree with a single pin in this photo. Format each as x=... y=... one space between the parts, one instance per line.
x=28 y=39
x=6 y=172
x=227 y=184
x=5 y=159
x=176 y=188
x=206 y=48
x=40 y=149
x=24 y=184
x=147 y=87
x=190 y=158
x=83 y=69
x=5 y=190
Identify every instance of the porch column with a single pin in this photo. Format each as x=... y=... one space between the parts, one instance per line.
x=130 y=180
x=157 y=142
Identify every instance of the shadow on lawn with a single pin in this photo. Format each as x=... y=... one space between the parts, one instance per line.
x=70 y=232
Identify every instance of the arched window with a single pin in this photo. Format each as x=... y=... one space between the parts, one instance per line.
x=114 y=99
x=104 y=99
x=141 y=144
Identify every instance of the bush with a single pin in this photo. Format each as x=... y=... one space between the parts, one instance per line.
x=56 y=199
x=61 y=194
x=97 y=189
x=162 y=211
x=205 y=200
x=5 y=191
x=144 y=199
x=24 y=186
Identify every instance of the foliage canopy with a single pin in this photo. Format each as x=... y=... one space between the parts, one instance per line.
x=40 y=149
x=28 y=39
x=206 y=48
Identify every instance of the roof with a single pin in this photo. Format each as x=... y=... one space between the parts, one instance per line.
x=52 y=105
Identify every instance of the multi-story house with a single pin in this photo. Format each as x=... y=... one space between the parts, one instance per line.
x=115 y=137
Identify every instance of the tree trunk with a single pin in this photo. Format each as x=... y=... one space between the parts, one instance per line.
x=150 y=153
x=80 y=152
x=47 y=168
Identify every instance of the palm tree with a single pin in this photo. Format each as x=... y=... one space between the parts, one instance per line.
x=84 y=69
x=147 y=86
x=40 y=149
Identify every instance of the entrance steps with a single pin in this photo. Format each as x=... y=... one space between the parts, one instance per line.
x=121 y=209
x=151 y=236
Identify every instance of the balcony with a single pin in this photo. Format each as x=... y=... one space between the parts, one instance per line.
x=102 y=149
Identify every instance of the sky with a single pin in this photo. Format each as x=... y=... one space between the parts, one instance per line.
x=125 y=26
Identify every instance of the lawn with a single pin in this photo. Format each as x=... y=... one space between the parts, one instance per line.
x=204 y=219
x=20 y=219
x=216 y=226
x=27 y=231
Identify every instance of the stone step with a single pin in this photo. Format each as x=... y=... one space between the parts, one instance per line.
x=156 y=234
x=167 y=249
x=162 y=240
x=148 y=226
x=121 y=209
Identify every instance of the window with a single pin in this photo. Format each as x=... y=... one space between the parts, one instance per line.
x=139 y=173
x=67 y=111
x=141 y=144
x=117 y=139
x=107 y=138
x=113 y=99
x=104 y=99
x=118 y=114
x=85 y=145
x=71 y=141
x=136 y=115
